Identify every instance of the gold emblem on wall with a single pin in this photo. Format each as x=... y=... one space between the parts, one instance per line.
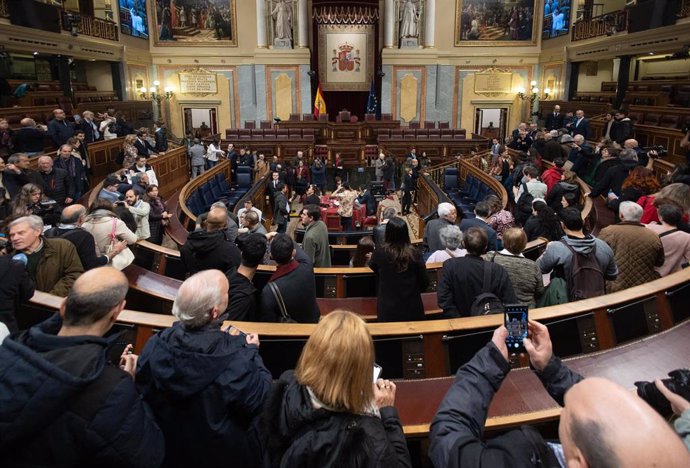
x=493 y=82
x=198 y=82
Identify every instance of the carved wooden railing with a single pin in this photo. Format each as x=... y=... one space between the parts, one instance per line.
x=608 y=24
x=4 y=12
x=94 y=27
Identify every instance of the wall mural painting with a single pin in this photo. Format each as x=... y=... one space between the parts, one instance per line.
x=206 y=22
x=497 y=22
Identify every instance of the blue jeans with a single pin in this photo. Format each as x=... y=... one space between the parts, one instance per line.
x=210 y=164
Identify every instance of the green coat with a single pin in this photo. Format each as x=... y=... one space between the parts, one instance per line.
x=315 y=244
x=58 y=268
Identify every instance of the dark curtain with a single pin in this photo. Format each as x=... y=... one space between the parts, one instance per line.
x=354 y=101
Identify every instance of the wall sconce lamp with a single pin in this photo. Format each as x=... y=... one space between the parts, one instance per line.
x=154 y=93
x=522 y=93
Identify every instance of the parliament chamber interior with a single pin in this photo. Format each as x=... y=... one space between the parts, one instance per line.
x=158 y=126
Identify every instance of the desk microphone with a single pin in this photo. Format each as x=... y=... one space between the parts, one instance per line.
x=20 y=257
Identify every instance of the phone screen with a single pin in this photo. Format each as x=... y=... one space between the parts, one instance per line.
x=233 y=330
x=516 y=323
x=377 y=372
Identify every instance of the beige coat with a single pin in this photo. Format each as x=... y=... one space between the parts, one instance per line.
x=100 y=225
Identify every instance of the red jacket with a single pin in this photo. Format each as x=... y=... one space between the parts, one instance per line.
x=551 y=177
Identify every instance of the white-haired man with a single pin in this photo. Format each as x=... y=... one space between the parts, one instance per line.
x=636 y=250
x=53 y=264
x=205 y=385
x=447 y=214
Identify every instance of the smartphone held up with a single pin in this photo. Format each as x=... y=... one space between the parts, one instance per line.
x=515 y=320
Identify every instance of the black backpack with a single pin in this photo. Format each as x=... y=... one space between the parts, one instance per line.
x=487 y=302
x=524 y=205
x=586 y=276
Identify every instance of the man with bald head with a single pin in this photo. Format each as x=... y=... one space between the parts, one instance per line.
x=605 y=425
x=62 y=403
x=554 y=120
x=209 y=247
x=29 y=138
x=70 y=229
x=57 y=183
x=205 y=385
x=601 y=426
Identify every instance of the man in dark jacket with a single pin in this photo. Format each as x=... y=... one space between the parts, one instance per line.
x=143 y=146
x=243 y=300
x=281 y=208
x=205 y=385
x=160 y=136
x=462 y=278
x=66 y=161
x=57 y=183
x=70 y=229
x=295 y=283
x=209 y=247
x=622 y=127
x=18 y=173
x=481 y=214
x=59 y=129
x=612 y=180
x=29 y=139
x=61 y=402
x=15 y=287
x=554 y=120
x=552 y=148
x=601 y=423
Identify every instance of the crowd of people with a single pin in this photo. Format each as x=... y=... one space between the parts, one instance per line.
x=196 y=384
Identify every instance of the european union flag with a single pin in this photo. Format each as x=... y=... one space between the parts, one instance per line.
x=373 y=102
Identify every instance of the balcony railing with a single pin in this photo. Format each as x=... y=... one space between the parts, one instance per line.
x=684 y=9
x=604 y=25
x=94 y=27
x=81 y=24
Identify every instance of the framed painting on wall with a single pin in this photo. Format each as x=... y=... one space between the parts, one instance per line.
x=195 y=22
x=501 y=22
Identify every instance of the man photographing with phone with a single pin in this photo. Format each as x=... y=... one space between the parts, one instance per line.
x=601 y=425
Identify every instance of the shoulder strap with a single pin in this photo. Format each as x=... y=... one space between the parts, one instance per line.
x=279 y=299
x=670 y=231
x=112 y=231
x=486 y=283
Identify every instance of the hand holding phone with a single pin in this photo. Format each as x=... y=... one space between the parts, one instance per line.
x=516 y=322
x=377 y=372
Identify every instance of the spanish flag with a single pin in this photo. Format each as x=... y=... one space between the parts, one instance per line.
x=319 y=103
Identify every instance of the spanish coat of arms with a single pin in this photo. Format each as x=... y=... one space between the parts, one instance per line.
x=344 y=59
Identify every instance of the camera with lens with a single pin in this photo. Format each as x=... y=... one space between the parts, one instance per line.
x=658 y=149
x=679 y=383
x=44 y=207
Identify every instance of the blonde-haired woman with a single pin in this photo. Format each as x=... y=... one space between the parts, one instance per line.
x=328 y=411
x=129 y=151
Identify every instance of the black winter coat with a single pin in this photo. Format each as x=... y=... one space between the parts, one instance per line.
x=298 y=435
x=63 y=404
x=209 y=250
x=457 y=429
x=15 y=287
x=399 y=292
x=205 y=387
x=298 y=290
x=58 y=185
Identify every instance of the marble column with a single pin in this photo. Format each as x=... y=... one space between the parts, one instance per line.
x=429 y=23
x=261 y=15
x=388 y=24
x=303 y=25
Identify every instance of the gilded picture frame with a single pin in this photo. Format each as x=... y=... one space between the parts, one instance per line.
x=501 y=23
x=184 y=23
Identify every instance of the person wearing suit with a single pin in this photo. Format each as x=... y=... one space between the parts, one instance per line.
x=161 y=137
x=59 y=129
x=90 y=127
x=482 y=210
x=143 y=147
x=281 y=210
x=554 y=120
x=580 y=125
